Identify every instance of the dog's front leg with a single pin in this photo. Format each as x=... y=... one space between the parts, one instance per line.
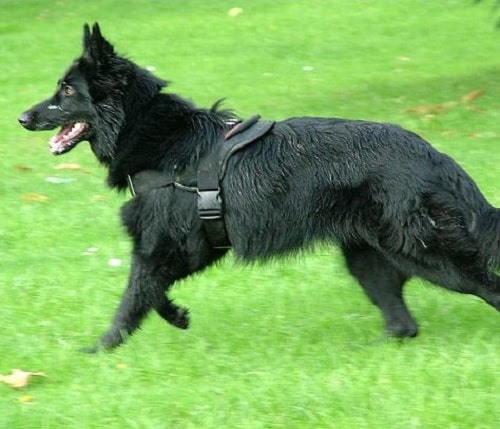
x=173 y=314
x=145 y=291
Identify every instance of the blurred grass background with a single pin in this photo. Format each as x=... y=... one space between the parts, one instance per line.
x=292 y=344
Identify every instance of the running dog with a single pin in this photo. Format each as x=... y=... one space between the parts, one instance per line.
x=397 y=207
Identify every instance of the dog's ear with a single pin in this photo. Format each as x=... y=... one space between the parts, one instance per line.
x=86 y=36
x=95 y=46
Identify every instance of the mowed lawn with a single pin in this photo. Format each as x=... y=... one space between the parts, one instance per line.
x=293 y=344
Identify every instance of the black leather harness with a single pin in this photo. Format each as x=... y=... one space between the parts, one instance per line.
x=211 y=170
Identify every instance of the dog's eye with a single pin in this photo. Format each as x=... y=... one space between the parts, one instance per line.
x=69 y=90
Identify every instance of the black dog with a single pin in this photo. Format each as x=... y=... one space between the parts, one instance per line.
x=396 y=207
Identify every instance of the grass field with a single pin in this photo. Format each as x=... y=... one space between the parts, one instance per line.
x=294 y=344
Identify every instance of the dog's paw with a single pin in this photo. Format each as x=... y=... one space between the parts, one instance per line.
x=402 y=330
x=113 y=339
x=181 y=318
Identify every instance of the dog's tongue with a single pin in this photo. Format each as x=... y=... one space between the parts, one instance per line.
x=64 y=138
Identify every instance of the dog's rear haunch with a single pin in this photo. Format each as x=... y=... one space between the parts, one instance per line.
x=396 y=207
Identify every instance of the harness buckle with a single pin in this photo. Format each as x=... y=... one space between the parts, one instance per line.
x=209 y=204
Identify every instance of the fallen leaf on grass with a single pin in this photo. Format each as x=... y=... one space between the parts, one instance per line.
x=431 y=108
x=19 y=378
x=22 y=168
x=437 y=108
x=68 y=166
x=448 y=133
x=26 y=399
x=471 y=96
x=33 y=197
x=235 y=11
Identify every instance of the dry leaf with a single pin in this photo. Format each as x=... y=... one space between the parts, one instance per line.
x=22 y=168
x=19 y=378
x=448 y=133
x=26 y=399
x=235 y=11
x=431 y=108
x=33 y=197
x=471 y=96
x=68 y=166
x=436 y=108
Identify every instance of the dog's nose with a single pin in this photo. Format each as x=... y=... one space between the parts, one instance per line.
x=24 y=119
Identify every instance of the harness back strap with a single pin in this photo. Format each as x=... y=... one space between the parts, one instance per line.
x=212 y=170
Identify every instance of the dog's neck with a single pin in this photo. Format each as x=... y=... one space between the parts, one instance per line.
x=190 y=132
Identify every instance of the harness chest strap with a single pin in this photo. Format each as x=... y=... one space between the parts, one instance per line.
x=211 y=171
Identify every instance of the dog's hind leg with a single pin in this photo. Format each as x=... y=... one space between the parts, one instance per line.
x=383 y=284
x=467 y=275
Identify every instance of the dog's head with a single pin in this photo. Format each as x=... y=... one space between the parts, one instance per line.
x=91 y=99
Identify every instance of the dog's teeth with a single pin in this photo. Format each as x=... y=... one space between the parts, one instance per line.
x=75 y=130
x=59 y=143
x=56 y=147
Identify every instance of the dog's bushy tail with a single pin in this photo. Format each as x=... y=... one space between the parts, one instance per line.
x=489 y=230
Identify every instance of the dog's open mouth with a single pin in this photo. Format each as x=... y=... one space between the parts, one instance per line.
x=68 y=137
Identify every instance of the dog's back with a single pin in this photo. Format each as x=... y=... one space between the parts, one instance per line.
x=344 y=181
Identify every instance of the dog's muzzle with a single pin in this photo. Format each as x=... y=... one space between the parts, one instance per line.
x=27 y=120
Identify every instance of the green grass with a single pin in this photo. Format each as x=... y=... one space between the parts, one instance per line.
x=289 y=345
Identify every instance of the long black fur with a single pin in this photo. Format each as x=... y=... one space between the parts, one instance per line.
x=397 y=207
